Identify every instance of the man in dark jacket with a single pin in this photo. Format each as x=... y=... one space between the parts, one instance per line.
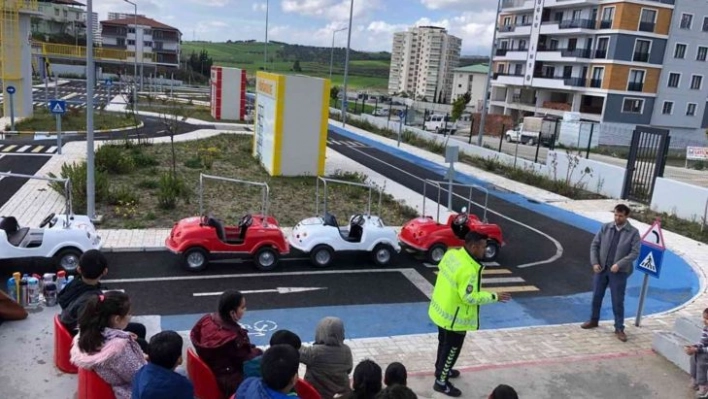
x=157 y=379
x=612 y=254
x=92 y=266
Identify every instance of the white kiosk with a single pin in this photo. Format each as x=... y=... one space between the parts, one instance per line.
x=228 y=93
x=292 y=113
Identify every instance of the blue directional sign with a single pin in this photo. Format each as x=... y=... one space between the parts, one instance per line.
x=401 y=113
x=651 y=252
x=10 y=89
x=108 y=82
x=57 y=107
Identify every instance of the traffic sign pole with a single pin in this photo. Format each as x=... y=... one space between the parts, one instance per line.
x=58 y=108
x=12 y=111
x=651 y=255
x=58 y=117
x=642 y=297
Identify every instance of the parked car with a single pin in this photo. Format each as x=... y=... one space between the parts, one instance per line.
x=441 y=124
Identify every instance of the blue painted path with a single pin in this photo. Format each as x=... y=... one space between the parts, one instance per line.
x=678 y=284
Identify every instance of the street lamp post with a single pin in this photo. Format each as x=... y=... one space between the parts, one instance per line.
x=265 y=51
x=135 y=58
x=90 y=81
x=331 y=57
x=483 y=116
x=346 y=65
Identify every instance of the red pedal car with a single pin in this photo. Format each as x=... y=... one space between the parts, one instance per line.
x=201 y=239
x=432 y=238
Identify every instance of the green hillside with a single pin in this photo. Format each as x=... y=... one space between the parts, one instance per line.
x=366 y=70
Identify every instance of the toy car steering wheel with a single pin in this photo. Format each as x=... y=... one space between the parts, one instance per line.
x=47 y=220
x=357 y=219
x=246 y=221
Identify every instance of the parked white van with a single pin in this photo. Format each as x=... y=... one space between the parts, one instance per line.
x=440 y=123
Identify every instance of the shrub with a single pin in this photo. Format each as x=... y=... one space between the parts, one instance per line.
x=76 y=172
x=113 y=160
x=148 y=184
x=208 y=155
x=123 y=195
x=141 y=159
x=193 y=163
x=170 y=189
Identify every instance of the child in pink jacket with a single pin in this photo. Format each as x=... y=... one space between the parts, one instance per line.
x=103 y=346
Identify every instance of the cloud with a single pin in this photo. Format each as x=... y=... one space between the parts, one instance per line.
x=259 y=7
x=337 y=10
x=212 y=3
x=456 y=4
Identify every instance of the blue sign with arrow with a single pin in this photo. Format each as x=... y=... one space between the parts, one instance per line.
x=10 y=89
x=57 y=107
x=401 y=114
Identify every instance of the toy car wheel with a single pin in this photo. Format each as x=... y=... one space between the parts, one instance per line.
x=322 y=255
x=195 y=259
x=491 y=252
x=266 y=259
x=435 y=253
x=68 y=259
x=383 y=254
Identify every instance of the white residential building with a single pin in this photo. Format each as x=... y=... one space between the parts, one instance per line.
x=422 y=61
x=472 y=79
x=152 y=41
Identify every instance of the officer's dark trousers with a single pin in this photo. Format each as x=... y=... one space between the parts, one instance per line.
x=618 y=285
x=449 y=347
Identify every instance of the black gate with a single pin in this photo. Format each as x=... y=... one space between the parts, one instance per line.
x=646 y=162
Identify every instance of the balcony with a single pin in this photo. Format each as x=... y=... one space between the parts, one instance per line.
x=595 y=83
x=562 y=54
x=635 y=86
x=601 y=53
x=647 y=26
x=521 y=29
x=512 y=78
x=577 y=24
x=566 y=27
x=640 y=57
x=606 y=24
x=591 y=109
x=557 y=106
x=576 y=52
x=575 y=82
x=517 y=4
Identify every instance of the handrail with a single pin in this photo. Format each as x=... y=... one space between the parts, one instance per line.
x=326 y=180
x=69 y=209
x=58 y=49
x=265 y=192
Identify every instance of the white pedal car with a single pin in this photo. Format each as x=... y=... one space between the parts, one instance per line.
x=61 y=237
x=321 y=237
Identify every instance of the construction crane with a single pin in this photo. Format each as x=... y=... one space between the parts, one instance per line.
x=12 y=46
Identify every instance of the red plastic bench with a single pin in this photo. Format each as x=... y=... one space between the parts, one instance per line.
x=62 y=348
x=92 y=386
x=203 y=379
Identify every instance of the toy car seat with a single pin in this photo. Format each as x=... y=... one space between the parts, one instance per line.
x=92 y=386
x=219 y=227
x=62 y=346
x=205 y=385
x=330 y=220
x=245 y=223
x=356 y=231
x=15 y=234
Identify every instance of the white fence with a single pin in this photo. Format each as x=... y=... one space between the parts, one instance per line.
x=681 y=199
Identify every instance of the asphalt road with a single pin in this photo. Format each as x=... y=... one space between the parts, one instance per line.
x=74 y=93
x=566 y=275
x=26 y=165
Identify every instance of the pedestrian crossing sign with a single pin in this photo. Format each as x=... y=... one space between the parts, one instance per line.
x=57 y=107
x=649 y=260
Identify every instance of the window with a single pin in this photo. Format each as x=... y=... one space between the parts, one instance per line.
x=641 y=50
x=632 y=106
x=131 y=30
x=680 y=51
x=517 y=70
x=507 y=21
x=667 y=108
x=120 y=42
x=647 y=20
x=597 y=74
x=702 y=53
x=696 y=82
x=674 y=79
x=522 y=45
x=147 y=44
x=602 y=44
x=608 y=15
x=686 y=21
x=56 y=12
x=636 y=80
x=131 y=42
x=705 y=24
x=691 y=109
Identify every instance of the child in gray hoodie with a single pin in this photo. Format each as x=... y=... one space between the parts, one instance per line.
x=329 y=361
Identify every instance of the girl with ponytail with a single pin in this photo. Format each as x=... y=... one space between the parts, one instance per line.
x=103 y=346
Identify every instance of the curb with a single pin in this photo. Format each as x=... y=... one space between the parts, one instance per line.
x=76 y=132
x=133 y=249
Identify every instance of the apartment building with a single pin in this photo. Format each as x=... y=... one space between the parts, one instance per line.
x=472 y=79
x=60 y=17
x=422 y=60
x=151 y=41
x=622 y=62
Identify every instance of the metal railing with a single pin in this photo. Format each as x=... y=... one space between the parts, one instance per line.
x=99 y=53
x=264 y=186
x=68 y=205
x=326 y=180
x=450 y=188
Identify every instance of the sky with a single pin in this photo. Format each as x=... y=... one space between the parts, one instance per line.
x=311 y=22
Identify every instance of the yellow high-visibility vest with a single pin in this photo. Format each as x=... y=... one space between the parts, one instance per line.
x=457 y=294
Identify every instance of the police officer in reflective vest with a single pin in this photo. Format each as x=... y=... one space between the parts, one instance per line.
x=455 y=305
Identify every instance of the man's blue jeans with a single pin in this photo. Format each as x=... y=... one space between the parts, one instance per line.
x=618 y=284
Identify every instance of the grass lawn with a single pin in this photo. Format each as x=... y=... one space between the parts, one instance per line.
x=133 y=199
x=73 y=120
x=190 y=111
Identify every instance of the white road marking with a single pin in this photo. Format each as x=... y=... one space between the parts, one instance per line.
x=486 y=264
x=51 y=149
x=501 y=280
x=23 y=148
x=559 y=247
x=279 y=290
x=69 y=96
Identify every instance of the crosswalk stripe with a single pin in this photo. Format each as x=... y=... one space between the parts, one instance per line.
x=23 y=148
x=51 y=149
x=502 y=280
x=9 y=148
x=496 y=271
x=486 y=264
x=38 y=148
x=518 y=288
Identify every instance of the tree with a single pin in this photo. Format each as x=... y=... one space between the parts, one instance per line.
x=334 y=92
x=459 y=105
x=296 y=66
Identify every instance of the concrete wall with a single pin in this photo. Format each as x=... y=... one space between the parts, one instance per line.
x=684 y=200
x=601 y=178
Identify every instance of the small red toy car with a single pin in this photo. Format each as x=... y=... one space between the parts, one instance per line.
x=201 y=239
x=429 y=236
